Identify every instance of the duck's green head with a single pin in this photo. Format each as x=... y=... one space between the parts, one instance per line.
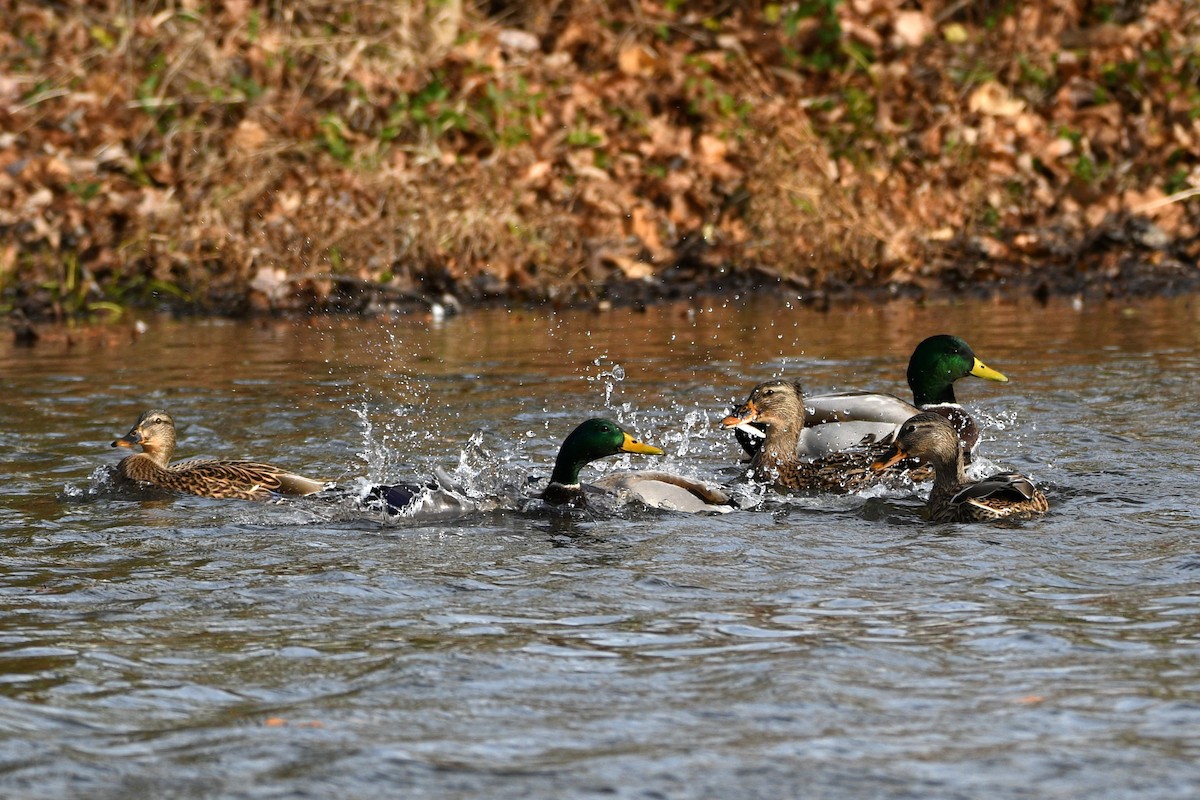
x=937 y=363
x=596 y=438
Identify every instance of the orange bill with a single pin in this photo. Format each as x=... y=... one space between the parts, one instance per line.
x=895 y=453
x=742 y=415
x=131 y=439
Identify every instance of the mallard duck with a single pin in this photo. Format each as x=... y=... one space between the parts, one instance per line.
x=240 y=480
x=777 y=408
x=839 y=421
x=440 y=497
x=599 y=438
x=929 y=437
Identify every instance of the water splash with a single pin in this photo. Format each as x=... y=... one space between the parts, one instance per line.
x=995 y=421
x=387 y=442
x=389 y=435
x=981 y=467
x=483 y=473
x=695 y=425
x=609 y=377
x=100 y=483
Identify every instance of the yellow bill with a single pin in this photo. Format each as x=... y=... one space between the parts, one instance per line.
x=632 y=445
x=981 y=370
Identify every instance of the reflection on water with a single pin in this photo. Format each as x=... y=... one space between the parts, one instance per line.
x=815 y=646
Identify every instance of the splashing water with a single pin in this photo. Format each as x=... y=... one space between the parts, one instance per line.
x=695 y=422
x=384 y=444
x=995 y=421
x=481 y=472
x=610 y=377
x=99 y=484
x=368 y=455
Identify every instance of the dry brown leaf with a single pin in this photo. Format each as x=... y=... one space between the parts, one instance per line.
x=249 y=136
x=994 y=100
x=862 y=34
x=271 y=282
x=898 y=248
x=1152 y=202
x=711 y=149
x=8 y=258
x=665 y=139
x=637 y=60
x=157 y=203
x=538 y=171
x=912 y=28
x=993 y=248
x=1056 y=150
x=632 y=269
x=237 y=10
x=1028 y=243
x=518 y=41
x=681 y=214
x=643 y=223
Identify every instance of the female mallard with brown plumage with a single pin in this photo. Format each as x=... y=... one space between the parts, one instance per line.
x=930 y=438
x=777 y=408
x=219 y=478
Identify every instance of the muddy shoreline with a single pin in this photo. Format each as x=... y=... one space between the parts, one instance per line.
x=1131 y=276
x=1103 y=274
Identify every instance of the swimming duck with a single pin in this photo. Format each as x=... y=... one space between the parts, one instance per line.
x=931 y=438
x=777 y=408
x=599 y=438
x=841 y=420
x=438 y=498
x=224 y=479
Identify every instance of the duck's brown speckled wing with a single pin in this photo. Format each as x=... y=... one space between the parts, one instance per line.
x=1005 y=495
x=836 y=472
x=845 y=472
x=247 y=480
x=239 y=480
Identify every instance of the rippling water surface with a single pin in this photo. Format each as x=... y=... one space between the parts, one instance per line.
x=808 y=647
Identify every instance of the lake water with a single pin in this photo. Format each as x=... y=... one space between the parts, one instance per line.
x=807 y=647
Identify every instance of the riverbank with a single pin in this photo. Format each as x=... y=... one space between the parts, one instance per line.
x=239 y=158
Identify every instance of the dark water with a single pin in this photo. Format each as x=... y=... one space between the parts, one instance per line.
x=810 y=647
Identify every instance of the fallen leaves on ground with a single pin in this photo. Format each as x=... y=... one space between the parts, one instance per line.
x=248 y=156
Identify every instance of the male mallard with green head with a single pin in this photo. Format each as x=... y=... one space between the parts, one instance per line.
x=224 y=479
x=600 y=438
x=934 y=367
x=930 y=438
